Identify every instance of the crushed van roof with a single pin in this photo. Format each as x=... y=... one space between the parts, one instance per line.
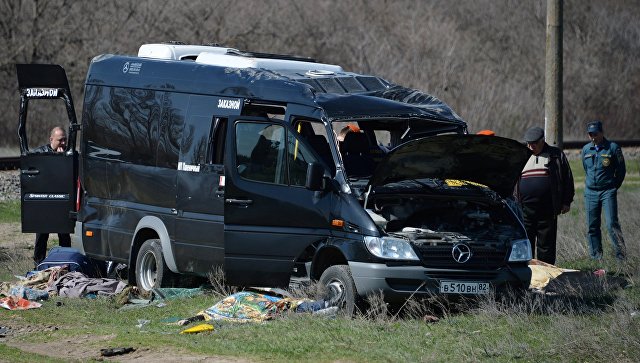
x=274 y=78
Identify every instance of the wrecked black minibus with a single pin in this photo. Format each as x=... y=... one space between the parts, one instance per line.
x=274 y=168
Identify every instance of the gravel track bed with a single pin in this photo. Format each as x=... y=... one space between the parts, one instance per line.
x=9 y=185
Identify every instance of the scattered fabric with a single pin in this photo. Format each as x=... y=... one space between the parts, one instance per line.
x=330 y=312
x=15 y=303
x=167 y=293
x=28 y=293
x=76 y=284
x=198 y=329
x=142 y=322
x=34 y=286
x=542 y=273
x=552 y=279
x=190 y=320
x=584 y=282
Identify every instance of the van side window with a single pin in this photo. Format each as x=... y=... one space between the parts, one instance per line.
x=316 y=135
x=299 y=156
x=260 y=150
x=218 y=137
x=196 y=140
x=172 y=122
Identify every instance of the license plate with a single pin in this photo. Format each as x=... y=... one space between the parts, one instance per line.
x=456 y=287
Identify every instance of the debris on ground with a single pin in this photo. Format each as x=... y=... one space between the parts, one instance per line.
x=77 y=284
x=198 y=329
x=554 y=280
x=110 y=352
x=55 y=281
x=18 y=303
x=430 y=319
x=247 y=306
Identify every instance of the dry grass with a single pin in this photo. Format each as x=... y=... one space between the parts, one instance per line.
x=572 y=240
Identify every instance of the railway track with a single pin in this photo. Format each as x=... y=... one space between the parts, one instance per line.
x=13 y=162
x=572 y=145
x=10 y=163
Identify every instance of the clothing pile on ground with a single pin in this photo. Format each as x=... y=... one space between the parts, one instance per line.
x=55 y=281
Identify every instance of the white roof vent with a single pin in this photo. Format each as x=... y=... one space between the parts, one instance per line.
x=319 y=73
x=177 y=51
x=234 y=61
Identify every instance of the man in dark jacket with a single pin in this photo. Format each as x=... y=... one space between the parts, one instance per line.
x=57 y=144
x=604 y=169
x=545 y=190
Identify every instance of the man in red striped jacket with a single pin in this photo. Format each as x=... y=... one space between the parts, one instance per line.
x=545 y=190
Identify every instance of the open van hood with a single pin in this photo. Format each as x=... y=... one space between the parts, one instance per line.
x=489 y=160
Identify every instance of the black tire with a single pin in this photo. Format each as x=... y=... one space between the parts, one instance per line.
x=151 y=270
x=341 y=290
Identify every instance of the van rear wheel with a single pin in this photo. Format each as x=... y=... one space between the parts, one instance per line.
x=341 y=290
x=151 y=270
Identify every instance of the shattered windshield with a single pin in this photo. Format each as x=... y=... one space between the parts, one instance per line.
x=363 y=144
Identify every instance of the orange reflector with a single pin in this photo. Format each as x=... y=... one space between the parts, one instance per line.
x=337 y=223
x=88 y=233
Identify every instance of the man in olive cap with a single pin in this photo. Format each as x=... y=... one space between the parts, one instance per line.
x=544 y=191
x=604 y=170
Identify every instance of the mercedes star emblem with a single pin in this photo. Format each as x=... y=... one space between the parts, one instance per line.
x=461 y=253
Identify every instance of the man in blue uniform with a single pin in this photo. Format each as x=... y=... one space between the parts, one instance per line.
x=545 y=190
x=604 y=172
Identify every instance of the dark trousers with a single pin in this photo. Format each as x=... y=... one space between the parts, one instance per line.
x=596 y=202
x=40 y=249
x=541 y=226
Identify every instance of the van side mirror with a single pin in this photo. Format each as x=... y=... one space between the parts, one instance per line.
x=315 y=177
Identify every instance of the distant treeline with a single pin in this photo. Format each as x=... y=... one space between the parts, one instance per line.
x=485 y=58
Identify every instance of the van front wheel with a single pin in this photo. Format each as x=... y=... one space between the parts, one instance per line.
x=341 y=290
x=151 y=270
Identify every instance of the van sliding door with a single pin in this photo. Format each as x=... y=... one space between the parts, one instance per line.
x=270 y=217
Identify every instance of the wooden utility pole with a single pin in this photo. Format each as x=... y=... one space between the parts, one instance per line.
x=553 y=75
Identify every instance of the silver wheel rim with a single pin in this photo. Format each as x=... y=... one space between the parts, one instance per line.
x=336 y=292
x=148 y=271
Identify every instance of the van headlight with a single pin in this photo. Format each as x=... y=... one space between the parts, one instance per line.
x=520 y=250
x=390 y=248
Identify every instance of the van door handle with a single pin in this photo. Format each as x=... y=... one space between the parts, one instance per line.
x=30 y=172
x=243 y=202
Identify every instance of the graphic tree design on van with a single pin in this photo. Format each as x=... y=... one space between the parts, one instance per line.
x=139 y=126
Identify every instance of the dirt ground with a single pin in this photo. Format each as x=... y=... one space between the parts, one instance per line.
x=15 y=245
x=76 y=350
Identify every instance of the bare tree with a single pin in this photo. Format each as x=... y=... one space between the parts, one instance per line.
x=483 y=57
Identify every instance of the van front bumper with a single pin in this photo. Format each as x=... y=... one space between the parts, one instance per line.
x=399 y=282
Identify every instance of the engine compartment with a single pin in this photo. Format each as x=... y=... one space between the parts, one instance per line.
x=437 y=220
x=433 y=225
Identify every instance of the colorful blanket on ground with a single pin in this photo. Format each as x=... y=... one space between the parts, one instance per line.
x=18 y=303
x=250 y=306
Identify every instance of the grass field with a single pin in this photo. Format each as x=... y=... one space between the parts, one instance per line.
x=590 y=325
